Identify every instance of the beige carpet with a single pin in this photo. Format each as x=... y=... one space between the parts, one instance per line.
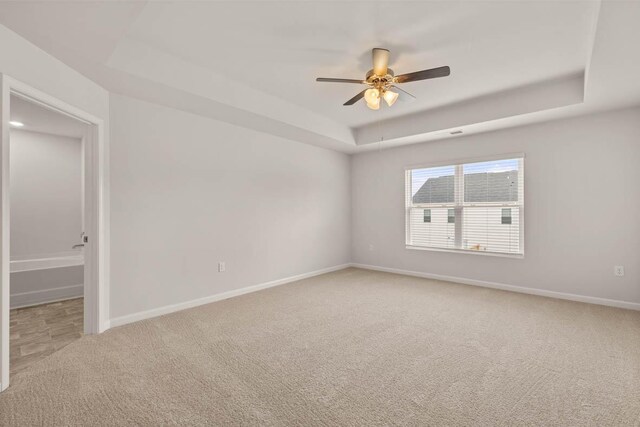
x=352 y=347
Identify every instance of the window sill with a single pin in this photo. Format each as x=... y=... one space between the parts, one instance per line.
x=466 y=251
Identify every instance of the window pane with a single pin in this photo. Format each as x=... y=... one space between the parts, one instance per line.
x=451 y=216
x=437 y=234
x=427 y=215
x=495 y=181
x=484 y=230
x=432 y=185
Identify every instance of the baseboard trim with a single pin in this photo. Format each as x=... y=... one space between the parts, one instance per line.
x=505 y=287
x=27 y=299
x=155 y=312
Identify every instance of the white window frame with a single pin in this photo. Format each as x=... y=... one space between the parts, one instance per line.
x=458 y=204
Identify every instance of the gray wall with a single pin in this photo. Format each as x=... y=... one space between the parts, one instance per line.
x=187 y=192
x=581 y=206
x=46 y=214
x=46 y=194
x=52 y=284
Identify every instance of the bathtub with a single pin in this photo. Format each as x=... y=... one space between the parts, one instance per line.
x=62 y=260
x=43 y=279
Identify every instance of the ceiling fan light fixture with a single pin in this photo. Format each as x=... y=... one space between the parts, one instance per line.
x=372 y=96
x=390 y=97
x=374 y=105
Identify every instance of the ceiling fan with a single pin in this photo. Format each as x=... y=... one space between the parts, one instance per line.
x=381 y=81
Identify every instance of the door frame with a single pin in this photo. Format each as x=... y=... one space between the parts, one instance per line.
x=96 y=249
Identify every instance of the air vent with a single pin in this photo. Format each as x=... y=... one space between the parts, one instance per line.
x=455 y=132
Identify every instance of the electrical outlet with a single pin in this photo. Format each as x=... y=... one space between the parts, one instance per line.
x=618 y=270
x=222 y=266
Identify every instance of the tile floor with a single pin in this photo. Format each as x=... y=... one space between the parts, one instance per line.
x=38 y=331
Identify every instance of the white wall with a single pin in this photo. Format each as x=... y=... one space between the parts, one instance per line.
x=46 y=194
x=582 y=207
x=187 y=192
x=24 y=61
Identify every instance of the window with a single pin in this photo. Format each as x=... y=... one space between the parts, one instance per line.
x=506 y=216
x=471 y=207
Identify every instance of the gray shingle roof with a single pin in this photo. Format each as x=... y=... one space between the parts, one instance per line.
x=435 y=190
x=478 y=187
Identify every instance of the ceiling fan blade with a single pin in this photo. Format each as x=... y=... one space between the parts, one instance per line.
x=332 y=80
x=403 y=95
x=356 y=98
x=423 y=75
x=380 y=61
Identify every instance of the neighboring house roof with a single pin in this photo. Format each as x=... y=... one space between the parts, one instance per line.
x=478 y=187
x=435 y=190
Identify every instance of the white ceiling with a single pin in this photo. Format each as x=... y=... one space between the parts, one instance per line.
x=281 y=47
x=37 y=118
x=254 y=63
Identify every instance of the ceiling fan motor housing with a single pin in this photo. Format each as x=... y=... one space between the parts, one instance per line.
x=380 y=82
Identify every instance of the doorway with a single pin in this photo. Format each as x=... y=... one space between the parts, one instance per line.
x=53 y=245
x=46 y=231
